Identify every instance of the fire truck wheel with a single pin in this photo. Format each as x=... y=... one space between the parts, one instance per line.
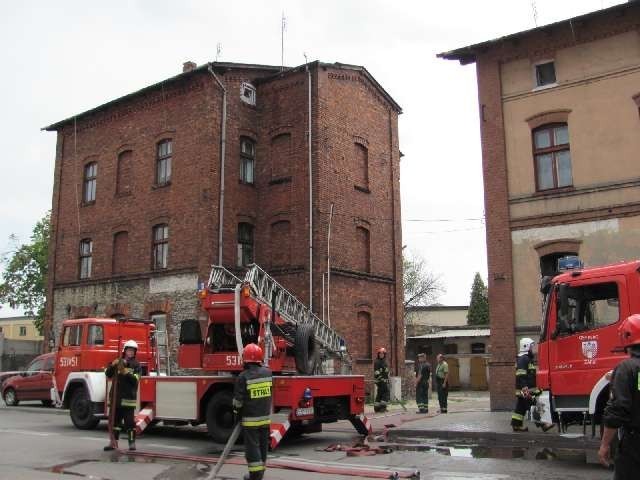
x=10 y=398
x=81 y=410
x=305 y=349
x=220 y=416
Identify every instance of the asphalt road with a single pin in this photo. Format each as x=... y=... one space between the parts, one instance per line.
x=41 y=443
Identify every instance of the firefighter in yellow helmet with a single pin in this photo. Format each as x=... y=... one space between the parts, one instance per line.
x=381 y=379
x=252 y=402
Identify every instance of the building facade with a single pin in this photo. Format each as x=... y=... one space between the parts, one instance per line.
x=19 y=328
x=559 y=118
x=212 y=166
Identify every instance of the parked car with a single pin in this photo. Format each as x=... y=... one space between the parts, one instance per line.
x=34 y=383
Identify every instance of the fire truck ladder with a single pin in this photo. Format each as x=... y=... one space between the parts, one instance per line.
x=292 y=310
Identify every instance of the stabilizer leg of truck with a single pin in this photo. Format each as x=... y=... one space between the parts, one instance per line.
x=361 y=423
x=279 y=426
x=144 y=418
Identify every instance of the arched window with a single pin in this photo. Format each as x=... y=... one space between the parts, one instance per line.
x=160 y=246
x=280 y=243
x=477 y=347
x=120 y=257
x=90 y=181
x=164 y=154
x=363 y=256
x=86 y=253
x=245 y=244
x=247 y=160
x=552 y=156
x=364 y=333
x=361 y=167
x=281 y=156
x=123 y=176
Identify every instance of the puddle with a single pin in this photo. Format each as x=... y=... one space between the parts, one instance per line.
x=471 y=450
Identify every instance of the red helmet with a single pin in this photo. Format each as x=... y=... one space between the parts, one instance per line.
x=252 y=353
x=382 y=350
x=629 y=331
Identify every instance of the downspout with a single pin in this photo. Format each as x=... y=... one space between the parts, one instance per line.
x=223 y=143
x=329 y=267
x=310 y=198
x=394 y=331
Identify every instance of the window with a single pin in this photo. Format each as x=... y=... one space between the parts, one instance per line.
x=123 y=176
x=364 y=333
x=0 y=329
x=245 y=244
x=95 y=335
x=23 y=331
x=35 y=367
x=363 y=257
x=90 y=176
x=163 y=162
x=72 y=335
x=549 y=263
x=160 y=246
x=48 y=364
x=545 y=74
x=589 y=307
x=248 y=93
x=451 y=349
x=118 y=316
x=280 y=243
x=477 y=347
x=281 y=156
x=552 y=157
x=247 y=160
x=120 y=259
x=86 y=250
x=361 y=169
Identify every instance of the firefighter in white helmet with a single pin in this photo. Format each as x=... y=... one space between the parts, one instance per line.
x=126 y=369
x=526 y=390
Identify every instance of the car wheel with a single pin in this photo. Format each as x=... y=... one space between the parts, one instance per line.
x=47 y=403
x=10 y=398
x=81 y=410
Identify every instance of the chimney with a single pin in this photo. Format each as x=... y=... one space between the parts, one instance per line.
x=188 y=66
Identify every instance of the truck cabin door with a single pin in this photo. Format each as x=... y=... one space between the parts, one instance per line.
x=584 y=316
x=69 y=353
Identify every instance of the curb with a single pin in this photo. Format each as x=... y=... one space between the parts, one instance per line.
x=502 y=438
x=34 y=409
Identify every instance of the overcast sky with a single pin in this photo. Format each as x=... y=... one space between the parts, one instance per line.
x=62 y=58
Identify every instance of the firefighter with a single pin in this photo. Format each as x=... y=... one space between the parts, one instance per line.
x=526 y=390
x=623 y=409
x=252 y=403
x=127 y=372
x=423 y=372
x=381 y=379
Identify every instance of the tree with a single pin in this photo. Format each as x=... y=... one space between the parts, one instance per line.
x=23 y=280
x=421 y=287
x=479 y=305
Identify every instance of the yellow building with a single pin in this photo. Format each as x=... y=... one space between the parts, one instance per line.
x=19 y=328
x=560 y=127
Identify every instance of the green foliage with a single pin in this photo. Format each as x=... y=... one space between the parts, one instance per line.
x=421 y=287
x=479 y=305
x=25 y=270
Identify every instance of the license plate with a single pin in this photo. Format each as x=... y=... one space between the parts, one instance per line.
x=303 y=412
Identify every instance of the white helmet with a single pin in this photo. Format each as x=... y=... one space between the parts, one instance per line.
x=525 y=344
x=130 y=344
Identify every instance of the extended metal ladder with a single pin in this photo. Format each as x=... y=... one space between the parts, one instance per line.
x=292 y=310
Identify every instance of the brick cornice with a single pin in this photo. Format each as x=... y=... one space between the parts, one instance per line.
x=544 y=118
x=600 y=213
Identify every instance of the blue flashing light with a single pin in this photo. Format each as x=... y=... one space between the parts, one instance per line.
x=570 y=262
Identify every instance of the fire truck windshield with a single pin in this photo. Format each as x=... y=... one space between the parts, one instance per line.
x=589 y=307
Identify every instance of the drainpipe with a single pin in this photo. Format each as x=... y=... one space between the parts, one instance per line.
x=329 y=267
x=310 y=199
x=223 y=143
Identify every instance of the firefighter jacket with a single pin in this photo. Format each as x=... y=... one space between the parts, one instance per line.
x=128 y=375
x=526 y=374
x=623 y=408
x=252 y=396
x=380 y=370
x=424 y=371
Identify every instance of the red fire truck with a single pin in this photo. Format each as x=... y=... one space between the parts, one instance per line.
x=579 y=343
x=298 y=347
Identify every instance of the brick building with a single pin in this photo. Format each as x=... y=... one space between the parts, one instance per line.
x=138 y=203
x=559 y=124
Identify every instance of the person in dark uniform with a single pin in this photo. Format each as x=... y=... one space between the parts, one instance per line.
x=252 y=402
x=381 y=379
x=526 y=390
x=423 y=372
x=623 y=409
x=126 y=369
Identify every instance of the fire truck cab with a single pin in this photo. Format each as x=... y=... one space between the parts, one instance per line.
x=579 y=343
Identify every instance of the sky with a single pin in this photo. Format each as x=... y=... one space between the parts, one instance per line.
x=62 y=58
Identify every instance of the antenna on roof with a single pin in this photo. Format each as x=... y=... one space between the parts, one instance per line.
x=283 y=27
x=218 y=50
x=534 y=10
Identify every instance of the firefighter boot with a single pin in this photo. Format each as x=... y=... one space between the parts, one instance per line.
x=519 y=428
x=132 y=439
x=116 y=437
